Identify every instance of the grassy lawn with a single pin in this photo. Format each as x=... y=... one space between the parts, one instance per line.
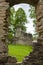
x=19 y=51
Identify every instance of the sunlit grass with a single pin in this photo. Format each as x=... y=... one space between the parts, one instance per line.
x=19 y=51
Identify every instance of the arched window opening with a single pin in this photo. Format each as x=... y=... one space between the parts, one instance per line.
x=22 y=30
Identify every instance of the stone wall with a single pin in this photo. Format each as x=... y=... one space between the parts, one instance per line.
x=3 y=29
x=36 y=56
x=39 y=22
x=4 y=58
x=22 y=37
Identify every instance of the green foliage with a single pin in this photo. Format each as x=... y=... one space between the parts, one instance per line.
x=19 y=51
x=12 y=16
x=33 y=16
x=11 y=26
x=20 y=19
x=32 y=12
x=16 y=18
x=10 y=36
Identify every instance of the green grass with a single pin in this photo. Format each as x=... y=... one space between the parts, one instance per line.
x=19 y=51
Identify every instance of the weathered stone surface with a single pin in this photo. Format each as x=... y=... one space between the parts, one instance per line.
x=3 y=48
x=35 y=57
x=18 y=63
x=10 y=61
x=12 y=2
x=39 y=15
x=22 y=37
x=3 y=52
x=4 y=58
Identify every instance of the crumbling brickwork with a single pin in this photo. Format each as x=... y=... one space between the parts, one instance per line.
x=4 y=58
x=22 y=37
x=3 y=26
x=39 y=22
x=36 y=57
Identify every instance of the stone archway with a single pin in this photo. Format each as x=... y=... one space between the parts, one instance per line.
x=36 y=57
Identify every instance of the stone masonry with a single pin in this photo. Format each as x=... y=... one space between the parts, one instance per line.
x=22 y=37
x=3 y=23
x=36 y=57
x=4 y=58
x=39 y=22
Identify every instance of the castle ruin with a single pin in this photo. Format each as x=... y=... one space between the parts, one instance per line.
x=36 y=57
x=22 y=37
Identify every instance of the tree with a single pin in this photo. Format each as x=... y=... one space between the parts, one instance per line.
x=33 y=16
x=11 y=26
x=32 y=13
x=16 y=18
x=20 y=19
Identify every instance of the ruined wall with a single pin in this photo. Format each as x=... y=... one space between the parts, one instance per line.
x=4 y=58
x=22 y=37
x=39 y=22
x=3 y=20
x=3 y=29
x=36 y=56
